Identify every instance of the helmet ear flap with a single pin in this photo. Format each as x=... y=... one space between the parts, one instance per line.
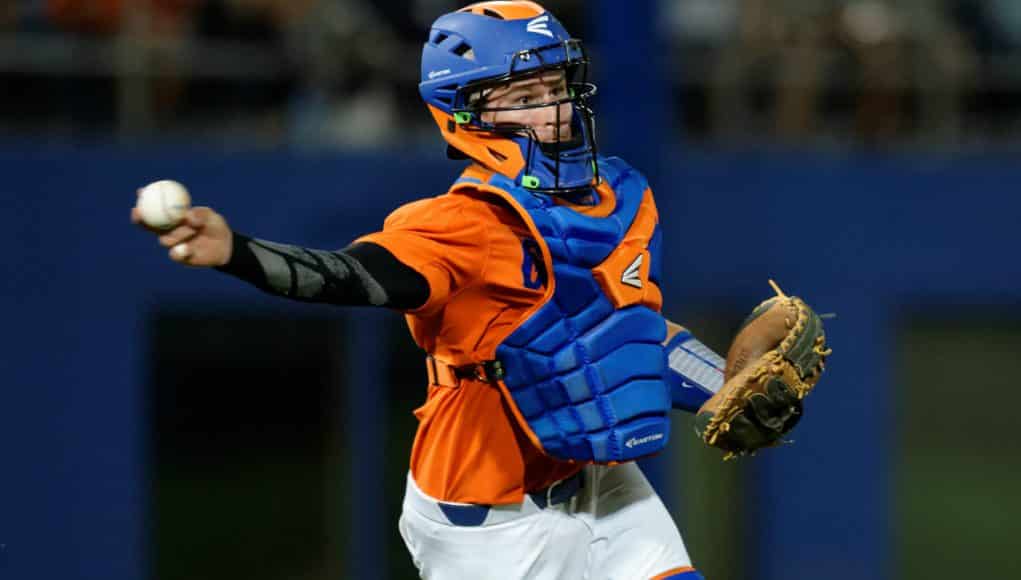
x=501 y=155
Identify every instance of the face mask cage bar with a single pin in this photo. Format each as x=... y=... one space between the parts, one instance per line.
x=568 y=56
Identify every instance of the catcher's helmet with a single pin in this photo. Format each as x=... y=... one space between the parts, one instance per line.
x=491 y=43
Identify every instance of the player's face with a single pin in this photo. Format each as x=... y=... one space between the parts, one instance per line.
x=546 y=88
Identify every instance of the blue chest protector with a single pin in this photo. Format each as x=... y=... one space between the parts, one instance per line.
x=589 y=379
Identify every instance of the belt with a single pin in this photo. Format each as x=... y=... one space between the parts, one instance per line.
x=448 y=375
x=559 y=492
x=472 y=515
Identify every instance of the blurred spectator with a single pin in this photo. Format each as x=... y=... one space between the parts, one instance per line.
x=354 y=65
x=338 y=72
x=92 y=16
x=1007 y=15
x=146 y=83
x=109 y=16
x=993 y=27
x=805 y=70
x=874 y=33
x=705 y=23
x=943 y=67
x=773 y=65
x=8 y=14
x=236 y=29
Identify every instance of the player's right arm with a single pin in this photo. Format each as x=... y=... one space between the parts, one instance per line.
x=361 y=274
x=428 y=250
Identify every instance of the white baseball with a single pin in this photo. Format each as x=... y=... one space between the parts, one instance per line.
x=162 y=204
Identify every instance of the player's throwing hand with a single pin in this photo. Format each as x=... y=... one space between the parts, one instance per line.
x=202 y=238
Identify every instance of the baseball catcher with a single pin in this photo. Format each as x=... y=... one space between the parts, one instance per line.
x=533 y=287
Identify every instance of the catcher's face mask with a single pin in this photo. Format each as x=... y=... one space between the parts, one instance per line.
x=545 y=112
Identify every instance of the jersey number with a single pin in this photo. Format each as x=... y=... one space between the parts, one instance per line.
x=533 y=269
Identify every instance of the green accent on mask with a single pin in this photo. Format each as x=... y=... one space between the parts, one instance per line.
x=530 y=181
x=462 y=117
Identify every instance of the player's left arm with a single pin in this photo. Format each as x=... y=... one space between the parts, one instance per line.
x=695 y=372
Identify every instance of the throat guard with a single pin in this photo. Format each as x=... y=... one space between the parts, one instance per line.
x=585 y=370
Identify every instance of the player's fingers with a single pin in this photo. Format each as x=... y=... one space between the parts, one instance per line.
x=193 y=253
x=181 y=253
x=177 y=235
x=136 y=216
x=197 y=217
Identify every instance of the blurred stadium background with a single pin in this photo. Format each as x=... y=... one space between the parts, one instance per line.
x=157 y=423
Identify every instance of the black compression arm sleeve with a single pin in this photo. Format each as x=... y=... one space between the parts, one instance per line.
x=362 y=274
x=404 y=286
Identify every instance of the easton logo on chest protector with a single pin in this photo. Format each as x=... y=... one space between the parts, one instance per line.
x=584 y=370
x=632 y=274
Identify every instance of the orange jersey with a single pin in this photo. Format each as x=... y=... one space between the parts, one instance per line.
x=474 y=251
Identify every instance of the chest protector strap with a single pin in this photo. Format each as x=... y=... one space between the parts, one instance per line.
x=585 y=370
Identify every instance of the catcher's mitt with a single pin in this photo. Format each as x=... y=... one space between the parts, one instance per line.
x=776 y=358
